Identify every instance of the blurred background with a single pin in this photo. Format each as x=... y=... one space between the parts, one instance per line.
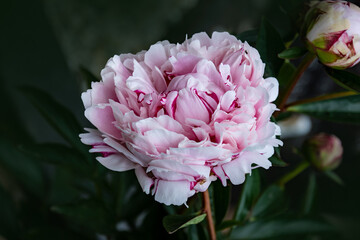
x=45 y=43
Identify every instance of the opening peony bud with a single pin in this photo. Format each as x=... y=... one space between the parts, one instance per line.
x=324 y=151
x=332 y=32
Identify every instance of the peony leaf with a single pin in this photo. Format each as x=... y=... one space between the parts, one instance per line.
x=292 y=53
x=57 y=154
x=221 y=198
x=280 y=228
x=341 y=109
x=310 y=194
x=334 y=177
x=57 y=115
x=24 y=169
x=345 y=79
x=269 y=45
x=284 y=77
x=249 y=36
x=271 y=202
x=172 y=223
x=87 y=214
x=227 y=224
x=277 y=161
x=250 y=192
x=197 y=232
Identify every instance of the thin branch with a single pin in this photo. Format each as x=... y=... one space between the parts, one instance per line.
x=321 y=98
x=209 y=219
x=307 y=60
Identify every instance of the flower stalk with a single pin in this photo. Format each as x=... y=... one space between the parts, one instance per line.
x=209 y=219
x=307 y=60
x=290 y=175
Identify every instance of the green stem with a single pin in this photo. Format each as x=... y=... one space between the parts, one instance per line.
x=321 y=98
x=207 y=210
x=307 y=60
x=287 y=177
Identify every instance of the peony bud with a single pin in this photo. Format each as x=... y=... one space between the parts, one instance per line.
x=332 y=30
x=324 y=151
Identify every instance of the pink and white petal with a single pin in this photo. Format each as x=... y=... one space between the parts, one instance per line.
x=272 y=86
x=201 y=153
x=102 y=92
x=223 y=39
x=105 y=149
x=144 y=180
x=86 y=98
x=234 y=172
x=183 y=64
x=117 y=162
x=93 y=137
x=227 y=100
x=172 y=165
x=102 y=117
x=171 y=176
x=155 y=56
x=219 y=172
x=198 y=109
x=119 y=147
x=140 y=80
x=203 y=171
x=173 y=192
x=163 y=139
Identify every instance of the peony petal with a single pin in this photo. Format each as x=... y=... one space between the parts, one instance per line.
x=116 y=162
x=93 y=137
x=227 y=100
x=173 y=192
x=172 y=166
x=197 y=110
x=145 y=181
x=219 y=172
x=272 y=86
x=123 y=150
x=102 y=117
x=155 y=56
x=234 y=172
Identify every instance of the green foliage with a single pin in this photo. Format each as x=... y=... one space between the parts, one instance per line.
x=345 y=79
x=59 y=190
x=271 y=202
x=310 y=194
x=281 y=227
x=87 y=214
x=25 y=171
x=292 y=53
x=250 y=192
x=221 y=198
x=62 y=120
x=269 y=44
x=172 y=223
x=342 y=109
x=249 y=36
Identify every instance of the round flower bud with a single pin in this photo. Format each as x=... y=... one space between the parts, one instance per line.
x=324 y=151
x=332 y=32
x=184 y=115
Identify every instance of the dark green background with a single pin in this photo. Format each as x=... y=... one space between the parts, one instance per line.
x=43 y=43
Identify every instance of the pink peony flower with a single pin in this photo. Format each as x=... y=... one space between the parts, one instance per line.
x=183 y=115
